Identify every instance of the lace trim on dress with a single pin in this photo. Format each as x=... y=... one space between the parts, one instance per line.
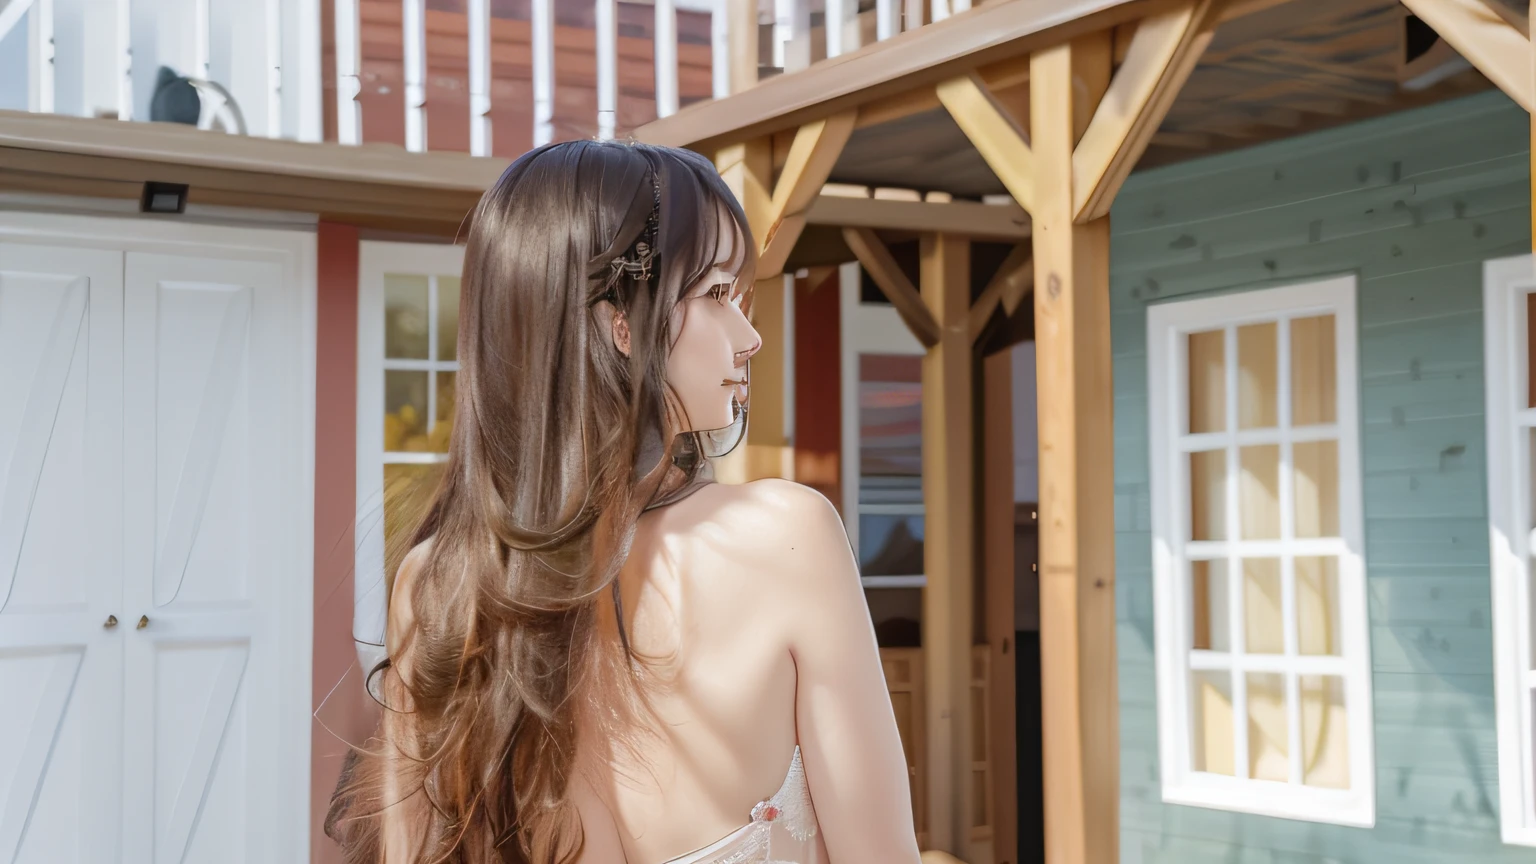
x=789 y=808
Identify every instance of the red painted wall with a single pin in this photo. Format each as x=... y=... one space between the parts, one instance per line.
x=347 y=716
x=818 y=386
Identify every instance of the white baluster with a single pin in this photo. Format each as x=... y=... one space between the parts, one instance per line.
x=201 y=32
x=414 y=22
x=797 y=39
x=783 y=11
x=272 y=26
x=912 y=18
x=958 y=6
x=607 y=68
x=349 y=73
x=720 y=49
x=302 y=69
x=887 y=18
x=543 y=72
x=479 y=77
x=125 y=59
x=841 y=22
x=939 y=9
x=40 y=53
x=666 y=58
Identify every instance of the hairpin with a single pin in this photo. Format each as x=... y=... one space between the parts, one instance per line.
x=638 y=261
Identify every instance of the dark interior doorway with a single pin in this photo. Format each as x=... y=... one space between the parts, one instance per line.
x=1026 y=593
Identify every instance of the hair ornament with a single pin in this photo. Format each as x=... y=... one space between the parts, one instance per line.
x=639 y=261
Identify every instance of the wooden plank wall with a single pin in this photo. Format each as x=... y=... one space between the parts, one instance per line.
x=1412 y=204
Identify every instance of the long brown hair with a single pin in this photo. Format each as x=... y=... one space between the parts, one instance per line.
x=559 y=443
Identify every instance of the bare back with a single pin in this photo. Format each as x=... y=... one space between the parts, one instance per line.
x=747 y=599
x=720 y=725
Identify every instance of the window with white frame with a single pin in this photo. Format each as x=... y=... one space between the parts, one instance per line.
x=408 y=321
x=1264 y=696
x=1509 y=304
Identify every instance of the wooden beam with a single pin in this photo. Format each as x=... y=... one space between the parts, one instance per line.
x=996 y=136
x=185 y=146
x=810 y=159
x=998 y=568
x=748 y=170
x=905 y=63
x=1486 y=40
x=948 y=549
x=886 y=273
x=1159 y=60
x=1076 y=416
x=966 y=218
x=1013 y=280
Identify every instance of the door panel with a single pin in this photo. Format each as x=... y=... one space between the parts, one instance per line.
x=209 y=434
x=60 y=544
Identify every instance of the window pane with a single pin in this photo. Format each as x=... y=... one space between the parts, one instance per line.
x=1317 y=606
x=447 y=317
x=1208 y=495
x=405 y=411
x=1314 y=372
x=1316 y=488
x=442 y=430
x=890 y=416
x=1207 y=382
x=890 y=545
x=1324 y=732
x=405 y=317
x=1268 y=737
x=1209 y=611
x=1211 y=722
x=1258 y=380
x=1263 y=626
x=1259 y=492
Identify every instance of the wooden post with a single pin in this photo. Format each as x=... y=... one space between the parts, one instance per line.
x=948 y=556
x=1077 y=583
x=748 y=170
x=997 y=555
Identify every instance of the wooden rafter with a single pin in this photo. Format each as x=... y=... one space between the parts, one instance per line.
x=1487 y=40
x=887 y=274
x=1158 y=62
x=815 y=150
x=965 y=218
x=1012 y=283
x=995 y=134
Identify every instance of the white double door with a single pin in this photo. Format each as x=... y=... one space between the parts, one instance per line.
x=147 y=440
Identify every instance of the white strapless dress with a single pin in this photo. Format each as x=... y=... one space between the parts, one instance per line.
x=782 y=830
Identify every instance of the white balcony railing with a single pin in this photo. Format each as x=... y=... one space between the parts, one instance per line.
x=490 y=77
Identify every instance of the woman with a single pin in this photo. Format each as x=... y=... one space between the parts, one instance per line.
x=596 y=654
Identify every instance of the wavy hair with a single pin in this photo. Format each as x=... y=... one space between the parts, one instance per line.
x=559 y=443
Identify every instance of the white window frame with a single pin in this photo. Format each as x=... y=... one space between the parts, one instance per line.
x=1167 y=325
x=867 y=328
x=1506 y=282
x=375 y=260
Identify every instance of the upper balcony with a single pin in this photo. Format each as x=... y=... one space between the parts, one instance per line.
x=484 y=77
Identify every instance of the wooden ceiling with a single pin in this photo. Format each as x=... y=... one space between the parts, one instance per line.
x=1292 y=68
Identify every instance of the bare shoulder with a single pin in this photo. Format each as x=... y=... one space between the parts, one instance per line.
x=774 y=515
x=781 y=533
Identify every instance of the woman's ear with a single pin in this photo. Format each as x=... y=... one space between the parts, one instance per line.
x=617 y=325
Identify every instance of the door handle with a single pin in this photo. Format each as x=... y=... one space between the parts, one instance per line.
x=143 y=622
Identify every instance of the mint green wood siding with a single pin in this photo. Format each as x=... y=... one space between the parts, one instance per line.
x=1412 y=204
